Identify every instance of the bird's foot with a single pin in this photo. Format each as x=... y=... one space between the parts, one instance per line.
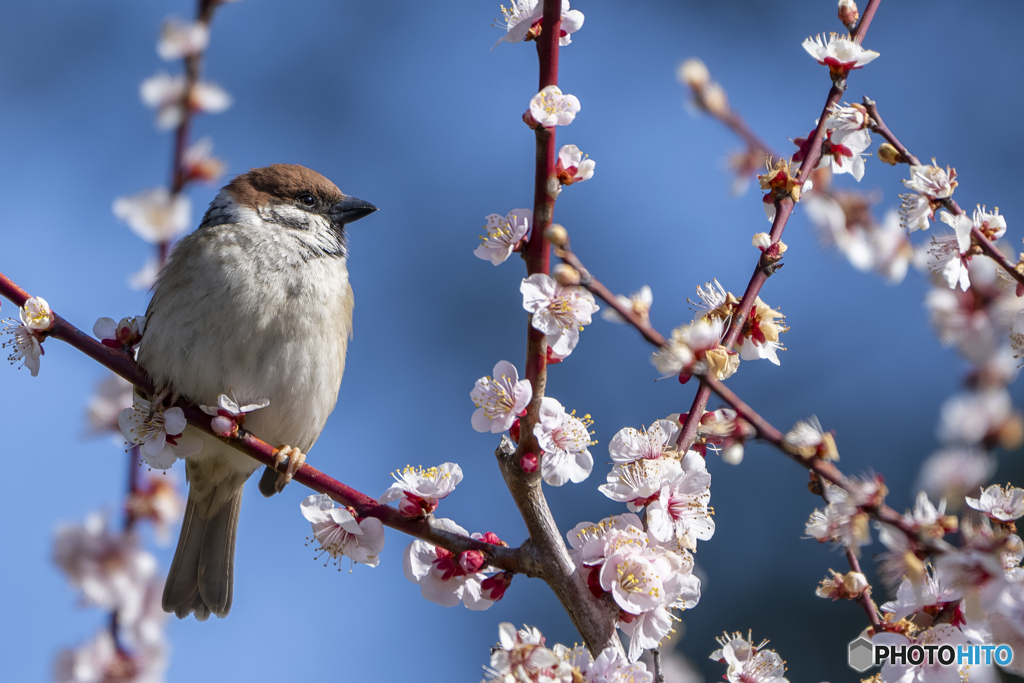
x=295 y=458
x=162 y=393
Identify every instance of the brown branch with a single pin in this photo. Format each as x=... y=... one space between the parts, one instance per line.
x=124 y=365
x=783 y=210
x=878 y=126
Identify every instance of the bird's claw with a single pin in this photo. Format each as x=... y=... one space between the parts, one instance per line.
x=296 y=459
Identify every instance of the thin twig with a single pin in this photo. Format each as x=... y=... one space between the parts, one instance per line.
x=783 y=209
x=592 y=284
x=865 y=598
x=984 y=243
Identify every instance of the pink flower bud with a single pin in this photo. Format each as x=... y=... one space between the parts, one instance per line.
x=529 y=463
x=471 y=561
x=224 y=426
x=494 y=587
x=492 y=538
x=514 y=430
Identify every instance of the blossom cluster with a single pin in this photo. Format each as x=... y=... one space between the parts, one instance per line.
x=112 y=571
x=522 y=657
x=28 y=332
x=698 y=349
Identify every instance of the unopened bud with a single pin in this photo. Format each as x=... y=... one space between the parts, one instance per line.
x=529 y=463
x=565 y=275
x=693 y=73
x=714 y=99
x=492 y=538
x=848 y=14
x=513 y=431
x=733 y=454
x=471 y=561
x=889 y=155
x=557 y=235
x=224 y=426
x=1011 y=432
x=855 y=584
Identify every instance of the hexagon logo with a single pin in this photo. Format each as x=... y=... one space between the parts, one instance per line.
x=862 y=654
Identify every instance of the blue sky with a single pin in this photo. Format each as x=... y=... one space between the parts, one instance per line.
x=402 y=105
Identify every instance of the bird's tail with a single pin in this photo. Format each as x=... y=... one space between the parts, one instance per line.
x=202 y=573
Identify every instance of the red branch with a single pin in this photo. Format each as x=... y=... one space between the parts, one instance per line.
x=594 y=620
x=124 y=365
x=783 y=209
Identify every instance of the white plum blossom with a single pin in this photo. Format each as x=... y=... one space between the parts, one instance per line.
x=420 y=489
x=749 y=663
x=611 y=666
x=639 y=302
x=200 y=164
x=158 y=501
x=841 y=54
x=913 y=597
x=111 y=569
x=841 y=522
x=521 y=657
x=566 y=441
x=522 y=21
x=808 y=439
x=934 y=637
x=1002 y=505
x=36 y=314
x=968 y=418
x=500 y=399
x=931 y=185
x=636 y=483
x=573 y=166
x=953 y=473
x=680 y=512
x=179 y=39
x=27 y=337
x=102 y=661
x=439 y=574
x=503 y=234
x=125 y=333
x=160 y=436
x=113 y=395
x=550 y=107
x=949 y=253
x=145 y=278
x=228 y=415
x=590 y=543
x=340 y=533
x=166 y=93
x=156 y=215
x=629 y=445
x=695 y=349
x=559 y=312
x=646 y=582
x=760 y=335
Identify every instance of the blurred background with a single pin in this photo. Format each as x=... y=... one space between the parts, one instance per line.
x=402 y=104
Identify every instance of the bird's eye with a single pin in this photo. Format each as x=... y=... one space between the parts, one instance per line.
x=307 y=199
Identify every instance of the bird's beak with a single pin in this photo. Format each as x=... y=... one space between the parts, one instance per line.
x=351 y=209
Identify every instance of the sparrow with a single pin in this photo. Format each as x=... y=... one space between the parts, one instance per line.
x=255 y=304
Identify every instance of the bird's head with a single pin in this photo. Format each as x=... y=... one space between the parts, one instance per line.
x=290 y=197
